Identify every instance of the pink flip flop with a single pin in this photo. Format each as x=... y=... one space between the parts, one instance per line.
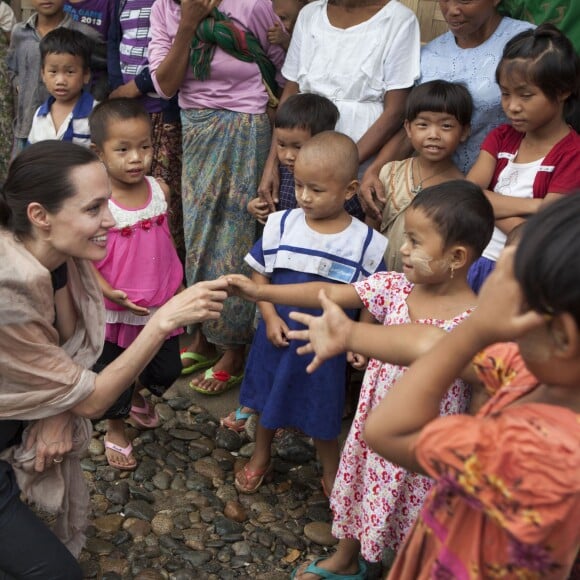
x=126 y=451
x=144 y=416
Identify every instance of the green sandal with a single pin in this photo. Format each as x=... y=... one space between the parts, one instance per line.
x=201 y=362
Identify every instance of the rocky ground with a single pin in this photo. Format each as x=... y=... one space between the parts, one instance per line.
x=178 y=516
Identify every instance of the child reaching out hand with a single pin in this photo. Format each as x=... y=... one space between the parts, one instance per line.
x=141 y=271
x=317 y=241
x=506 y=499
x=375 y=502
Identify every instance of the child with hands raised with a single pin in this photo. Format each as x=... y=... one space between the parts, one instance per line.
x=506 y=501
x=141 y=270
x=375 y=502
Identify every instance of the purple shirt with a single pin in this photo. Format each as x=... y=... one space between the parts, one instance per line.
x=233 y=84
x=95 y=13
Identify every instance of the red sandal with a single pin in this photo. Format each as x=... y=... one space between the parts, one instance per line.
x=259 y=475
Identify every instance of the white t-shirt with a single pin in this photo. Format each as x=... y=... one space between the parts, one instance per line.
x=7 y=18
x=354 y=67
x=515 y=180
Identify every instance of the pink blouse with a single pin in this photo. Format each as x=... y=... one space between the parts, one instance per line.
x=233 y=85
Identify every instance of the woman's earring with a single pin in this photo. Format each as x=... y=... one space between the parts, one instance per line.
x=452 y=272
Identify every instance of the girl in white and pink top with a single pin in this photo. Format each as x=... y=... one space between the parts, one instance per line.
x=141 y=271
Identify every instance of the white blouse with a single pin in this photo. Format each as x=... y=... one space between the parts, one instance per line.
x=356 y=66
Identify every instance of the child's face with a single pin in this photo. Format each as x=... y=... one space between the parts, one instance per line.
x=287 y=12
x=64 y=76
x=525 y=104
x=320 y=189
x=425 y=259
x=127 y=151
x=288 y=144
x=436 y=136
x=48 y=7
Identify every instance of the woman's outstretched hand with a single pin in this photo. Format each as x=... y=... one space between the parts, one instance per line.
x=501 y=314
x=326 y=334
x=121 y=299
x=202 y=301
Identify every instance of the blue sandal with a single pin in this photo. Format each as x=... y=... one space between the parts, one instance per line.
x=312 y=568
x=232 y=421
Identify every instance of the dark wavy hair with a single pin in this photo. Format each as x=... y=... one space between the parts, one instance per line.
x=460 y=211
x=41 y=174
x=547 y=262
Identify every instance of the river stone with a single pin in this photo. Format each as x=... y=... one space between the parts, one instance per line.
x=179 y=403
x=235 y=511
x=320 y=533
x=196 y=558
x=137 y=528
x=114 y=568
x=292 y=448
x=108 y=524
x=183 y=574
x=225 y=526
x=165 y=412
x=150 y=574
x=161 y=480
x=242 y=548
x=139 y=509
x=100 y=503
x=247 y=450
x=162 y=524
x=99 y=546
x=184 y=434
x=228 y=439
x=146 y=469
x=208 y=467
x=96 y=447
x=155 y=450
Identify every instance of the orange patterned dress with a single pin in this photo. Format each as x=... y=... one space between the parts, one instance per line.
x=507 y=499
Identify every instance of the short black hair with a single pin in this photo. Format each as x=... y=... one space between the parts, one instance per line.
x=307 y=111
x=440 y=96
x=66 y=41
x=545 y=57
x=547 y=262
x=111 y=110
x=460 y=211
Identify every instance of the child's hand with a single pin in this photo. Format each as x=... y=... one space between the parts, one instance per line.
x=277 y=331
x=277 y=35
x=120 y=298
x=259 y=209
x=327 y=333
x=356 y=360
x=501 y=314
x=242 y=286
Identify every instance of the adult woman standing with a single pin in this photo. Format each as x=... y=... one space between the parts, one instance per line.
x=364 y=57
x=469 y=54
x=224 y=68
x=54 y=220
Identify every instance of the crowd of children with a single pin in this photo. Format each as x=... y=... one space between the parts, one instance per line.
x=456 y=490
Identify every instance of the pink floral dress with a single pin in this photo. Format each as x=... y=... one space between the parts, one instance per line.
x=373 y=500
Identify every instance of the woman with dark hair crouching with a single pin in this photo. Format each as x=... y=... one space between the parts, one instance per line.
x=54 y=219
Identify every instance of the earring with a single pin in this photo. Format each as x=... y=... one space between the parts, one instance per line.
x=452 y=272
